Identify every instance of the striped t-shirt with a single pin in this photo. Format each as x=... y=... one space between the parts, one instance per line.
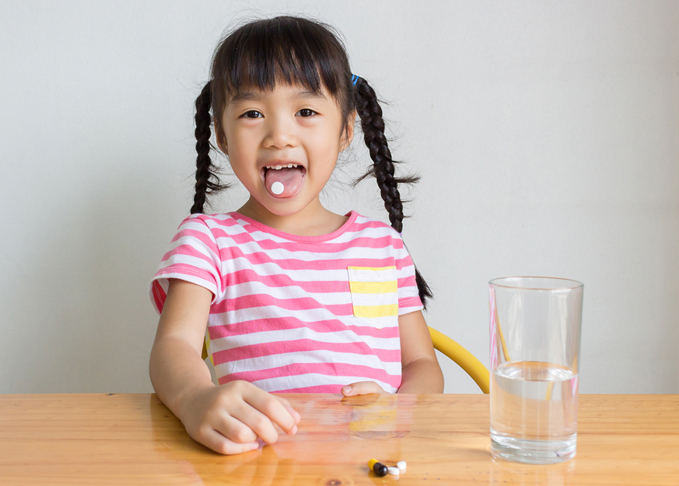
x=296 y=313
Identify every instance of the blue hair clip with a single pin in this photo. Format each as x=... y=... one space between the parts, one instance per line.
x=354 y=78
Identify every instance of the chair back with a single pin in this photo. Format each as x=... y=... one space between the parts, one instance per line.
x=463 y=358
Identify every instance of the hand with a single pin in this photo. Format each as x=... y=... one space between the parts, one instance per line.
x=361 y=388
x=230 y=418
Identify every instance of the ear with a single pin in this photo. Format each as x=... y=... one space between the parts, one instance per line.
x=221 y=139
x=346 y=140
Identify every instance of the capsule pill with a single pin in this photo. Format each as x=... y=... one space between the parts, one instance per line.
x=377 y=467
x=394 y=471
x=401 y=465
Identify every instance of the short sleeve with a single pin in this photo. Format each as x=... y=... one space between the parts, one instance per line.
x=193 y=256
x=408 y=293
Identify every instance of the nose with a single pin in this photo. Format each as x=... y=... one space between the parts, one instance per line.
x=280 y=132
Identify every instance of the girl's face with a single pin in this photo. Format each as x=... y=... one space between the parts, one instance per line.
x=264 y=130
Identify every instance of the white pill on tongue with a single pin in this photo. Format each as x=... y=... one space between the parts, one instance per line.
x=277 y=188
x=290 y=180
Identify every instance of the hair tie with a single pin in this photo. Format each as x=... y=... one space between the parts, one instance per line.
x=354 y=78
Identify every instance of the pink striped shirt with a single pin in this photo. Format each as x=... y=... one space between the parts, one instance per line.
x=296 y=313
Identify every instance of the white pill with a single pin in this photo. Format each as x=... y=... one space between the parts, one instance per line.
x=394 y=471
x=277 y=187
x=401 y=465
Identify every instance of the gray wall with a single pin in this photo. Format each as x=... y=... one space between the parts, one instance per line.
x=546 y=135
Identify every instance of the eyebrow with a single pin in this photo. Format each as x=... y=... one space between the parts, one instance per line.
x=256 y=95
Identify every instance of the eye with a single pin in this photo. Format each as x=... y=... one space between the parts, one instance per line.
x=245 y=115
x=306 y=112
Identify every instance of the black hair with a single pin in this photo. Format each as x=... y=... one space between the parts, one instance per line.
x=295 y=51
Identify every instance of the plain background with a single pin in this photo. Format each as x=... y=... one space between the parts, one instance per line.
x=546 y=135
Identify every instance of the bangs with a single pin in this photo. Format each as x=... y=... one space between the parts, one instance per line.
x=264 y=53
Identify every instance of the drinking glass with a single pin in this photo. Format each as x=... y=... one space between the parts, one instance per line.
x=535 y=325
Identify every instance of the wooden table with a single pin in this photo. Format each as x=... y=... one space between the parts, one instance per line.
x=134 y=439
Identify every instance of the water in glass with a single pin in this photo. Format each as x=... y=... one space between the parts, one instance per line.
x=533 y=412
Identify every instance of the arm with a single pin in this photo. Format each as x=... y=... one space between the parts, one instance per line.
x=421 y=370
x=227 y=418
x=175 y=366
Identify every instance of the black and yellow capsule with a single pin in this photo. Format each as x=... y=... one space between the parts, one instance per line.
x=377 y=467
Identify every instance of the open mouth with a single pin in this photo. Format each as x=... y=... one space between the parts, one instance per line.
x=283 y=180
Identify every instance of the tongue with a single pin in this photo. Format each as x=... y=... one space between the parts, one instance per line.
x=290 y=179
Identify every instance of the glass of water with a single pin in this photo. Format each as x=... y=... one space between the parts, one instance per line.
x=535 y=325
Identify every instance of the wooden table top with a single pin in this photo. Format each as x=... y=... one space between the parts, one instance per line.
x=75 y=439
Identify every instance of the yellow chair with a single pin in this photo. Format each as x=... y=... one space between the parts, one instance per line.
x=447 y=346
x=463 y=358
x=204 y=354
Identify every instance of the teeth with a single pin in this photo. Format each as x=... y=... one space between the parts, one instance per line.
x=279 y=167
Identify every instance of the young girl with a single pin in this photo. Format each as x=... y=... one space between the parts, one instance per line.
x=295 y=298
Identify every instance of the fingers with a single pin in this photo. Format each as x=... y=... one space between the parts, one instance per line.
x=234 y=428
x=219 y=443
x=276 y=409
x=293 y=412
x=256 y=422
x=361 y=388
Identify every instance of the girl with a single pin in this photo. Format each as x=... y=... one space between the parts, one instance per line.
x=296 y=298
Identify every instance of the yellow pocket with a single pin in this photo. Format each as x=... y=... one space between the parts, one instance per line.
x=374 y=295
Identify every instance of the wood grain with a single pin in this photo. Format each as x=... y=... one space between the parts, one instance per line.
x=79 y=439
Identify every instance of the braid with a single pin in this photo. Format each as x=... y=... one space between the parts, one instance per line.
x=204 y=167
x=383 y=168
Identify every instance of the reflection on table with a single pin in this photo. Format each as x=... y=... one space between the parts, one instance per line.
x=135 y=439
